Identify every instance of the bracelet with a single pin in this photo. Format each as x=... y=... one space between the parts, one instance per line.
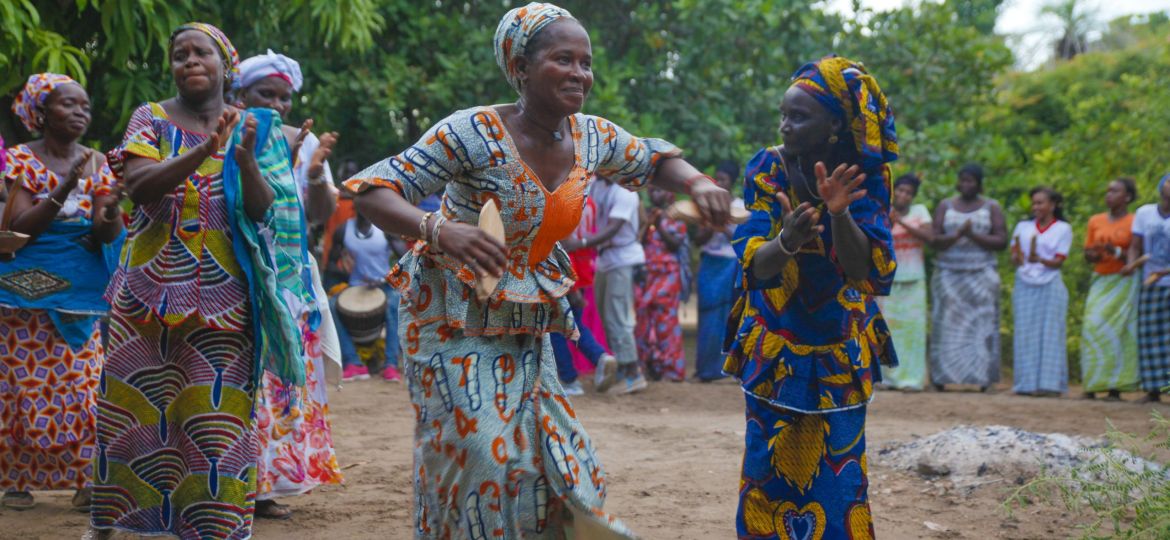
x=840 y=214
x=690 y=182
x=422 y=225
x=784 y=249
x=437 y=229
x=59 y=204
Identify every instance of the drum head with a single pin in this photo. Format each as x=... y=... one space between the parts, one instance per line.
x=362 y=299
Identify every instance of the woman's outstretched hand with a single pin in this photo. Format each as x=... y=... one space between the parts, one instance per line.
x=840 y=189
x=714 y=203
x=223 y=131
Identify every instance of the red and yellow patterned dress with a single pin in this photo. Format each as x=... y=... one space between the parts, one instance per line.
x=48 y=391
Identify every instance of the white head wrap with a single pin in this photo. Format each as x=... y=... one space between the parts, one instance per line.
x=270 y=64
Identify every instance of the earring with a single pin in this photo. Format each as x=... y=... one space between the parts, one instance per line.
x=832 y=139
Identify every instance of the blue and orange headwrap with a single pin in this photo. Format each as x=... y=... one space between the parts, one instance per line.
x=231 y=58
x=31 y=99
x=516 y=31
x=850 y=93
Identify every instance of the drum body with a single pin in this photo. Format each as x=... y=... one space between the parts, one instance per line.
x=363 y=312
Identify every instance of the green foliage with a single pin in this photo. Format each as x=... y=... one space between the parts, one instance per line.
x=1114 y=497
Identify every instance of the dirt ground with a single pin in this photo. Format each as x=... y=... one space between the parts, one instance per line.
x=672 y=455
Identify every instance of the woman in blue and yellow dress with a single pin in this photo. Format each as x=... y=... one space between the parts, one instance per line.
x=806 y=332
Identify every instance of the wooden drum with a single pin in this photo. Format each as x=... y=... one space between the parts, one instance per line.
x=363 y=312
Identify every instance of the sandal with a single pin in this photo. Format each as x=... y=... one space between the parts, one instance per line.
x=272 y=510
x=82 y=499
x=18 y=500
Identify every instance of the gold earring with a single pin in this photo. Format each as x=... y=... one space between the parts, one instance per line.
x=832 y=139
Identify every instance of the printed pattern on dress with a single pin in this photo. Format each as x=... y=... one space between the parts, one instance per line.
x=657 y=331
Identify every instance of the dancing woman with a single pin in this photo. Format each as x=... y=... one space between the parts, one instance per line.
x=210 y=291
x=498 y=448
x=806 y=329
x=64 y=197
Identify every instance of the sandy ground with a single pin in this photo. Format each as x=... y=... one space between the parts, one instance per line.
x=672 y=455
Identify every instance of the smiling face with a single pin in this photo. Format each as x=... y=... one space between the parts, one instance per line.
x=805 y=124
x=67 y=112
x=1042 y=206
x=270 y=93
x=197 y=66
x=558 y=76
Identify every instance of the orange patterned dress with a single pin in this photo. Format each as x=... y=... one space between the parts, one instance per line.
x=48 y=391
x=499 y=451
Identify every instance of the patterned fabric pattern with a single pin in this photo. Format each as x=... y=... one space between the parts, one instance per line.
x=273 y=254
x=40 y=182
x=806 y=339
x=658 y=333
x=804 y=476
x=1109 y=334
x=1040 y=314
x=293 y=431
x=1154 y=338
x=964 y=314
x=29 y=102
x=516 y=31
x=499 y=451
x=48 y=400
x=474 y=157
x=178 y=259
x=176 y=445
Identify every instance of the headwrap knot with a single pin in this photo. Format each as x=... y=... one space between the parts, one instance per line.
x=516 y=31
x=231 y=58
x=31 y=99
x=270 y=64
x=849 y=92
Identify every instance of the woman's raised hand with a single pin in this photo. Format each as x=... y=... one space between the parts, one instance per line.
x=246 y=150
x=798 y=226
x=223 y=131
x=322 y=153
x=840 y=189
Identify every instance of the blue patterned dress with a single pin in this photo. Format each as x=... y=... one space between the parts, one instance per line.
x=804 y=348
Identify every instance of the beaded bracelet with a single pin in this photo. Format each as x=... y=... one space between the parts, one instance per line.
x=840 y=214
x=690 y=182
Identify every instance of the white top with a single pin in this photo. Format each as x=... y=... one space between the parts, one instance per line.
x=720 y=243
x=1054 y=241
x=1154 y=228
x=371 y=255
x=616 y=202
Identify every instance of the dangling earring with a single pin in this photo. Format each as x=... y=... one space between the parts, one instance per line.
x=833 y=139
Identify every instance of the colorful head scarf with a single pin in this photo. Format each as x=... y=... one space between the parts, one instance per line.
x=516 y=31
x=269 y=64
x=231 y=58
x=29 y=101
x=850 y=93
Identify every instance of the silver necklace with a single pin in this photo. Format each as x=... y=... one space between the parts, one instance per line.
x=556 y=133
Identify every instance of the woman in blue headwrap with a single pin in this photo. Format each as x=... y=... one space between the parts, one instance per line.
x=498 y=449
x=806 y=330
